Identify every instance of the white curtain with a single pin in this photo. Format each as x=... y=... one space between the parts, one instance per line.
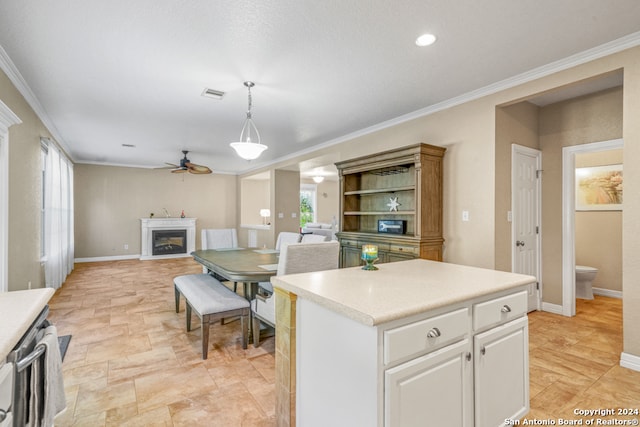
x=58 y=217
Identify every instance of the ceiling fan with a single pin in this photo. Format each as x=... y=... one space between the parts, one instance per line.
x=187 y=166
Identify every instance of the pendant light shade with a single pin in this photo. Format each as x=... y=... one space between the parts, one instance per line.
x=247 y=148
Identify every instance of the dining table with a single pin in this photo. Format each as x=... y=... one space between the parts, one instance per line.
x=247 y=266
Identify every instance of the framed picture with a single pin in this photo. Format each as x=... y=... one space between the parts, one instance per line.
x=599 y=188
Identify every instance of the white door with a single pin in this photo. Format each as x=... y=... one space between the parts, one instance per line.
x=501 y=373
x=4 y=212
x=526 y=166
x=432 y=390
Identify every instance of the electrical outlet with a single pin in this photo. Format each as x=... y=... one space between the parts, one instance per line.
x=509 y=216
x=465 y=215
x=126 y=246
x=294 y=215
x=280 y=215
x=29 y=285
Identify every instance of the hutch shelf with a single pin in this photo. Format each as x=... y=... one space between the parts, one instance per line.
x=393 y=200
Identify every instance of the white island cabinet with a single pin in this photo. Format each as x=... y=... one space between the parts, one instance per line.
x=415 y=343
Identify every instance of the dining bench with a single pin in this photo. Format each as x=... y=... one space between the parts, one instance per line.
x=211 y=301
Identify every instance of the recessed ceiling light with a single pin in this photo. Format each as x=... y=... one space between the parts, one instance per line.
x=212 y=93
x=426 y=40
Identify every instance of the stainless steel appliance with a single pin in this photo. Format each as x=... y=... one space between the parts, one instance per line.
x=23 y=356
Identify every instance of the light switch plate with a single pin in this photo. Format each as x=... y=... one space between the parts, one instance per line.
x=465 y=215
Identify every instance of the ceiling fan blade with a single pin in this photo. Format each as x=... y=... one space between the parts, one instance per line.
x=197 y=169
x=172 y=164
x=179 y=170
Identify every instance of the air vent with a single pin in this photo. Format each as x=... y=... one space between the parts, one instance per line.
x=212 y=93
x=129 y=145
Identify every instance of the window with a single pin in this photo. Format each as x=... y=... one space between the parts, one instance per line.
x=58 y=216
x=307 y=204
x=44 y=149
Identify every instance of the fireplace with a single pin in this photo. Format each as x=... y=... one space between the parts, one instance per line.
x=169 y=242
x=167 y=237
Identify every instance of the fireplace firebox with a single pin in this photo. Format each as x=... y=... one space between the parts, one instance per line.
x=168 y=242
x=166 y=245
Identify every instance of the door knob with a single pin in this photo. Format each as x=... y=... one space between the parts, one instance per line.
x=519 y=243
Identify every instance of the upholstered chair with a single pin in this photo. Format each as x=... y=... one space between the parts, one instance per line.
x=313 y=238
x=287 y=237
x=294 y=258
x=219 y=238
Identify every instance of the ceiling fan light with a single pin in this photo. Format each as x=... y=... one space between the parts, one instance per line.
x=248 y=150
x=318 y=179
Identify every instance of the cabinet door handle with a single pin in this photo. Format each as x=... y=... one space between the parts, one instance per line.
x=433 y=333
x=468 y=357
x=505 y=309
x=483 y=350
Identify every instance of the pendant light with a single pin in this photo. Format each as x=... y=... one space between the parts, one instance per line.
x=246 y=148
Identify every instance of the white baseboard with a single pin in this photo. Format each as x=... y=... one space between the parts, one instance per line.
x=107 y=258
x=607 y=293
x=551 y=308
x=630 y=361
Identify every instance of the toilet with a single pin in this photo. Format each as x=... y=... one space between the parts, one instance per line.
x=584 y=278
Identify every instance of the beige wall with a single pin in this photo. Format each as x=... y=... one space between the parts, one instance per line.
x=470 y=175
x=255 y=196
x=25 y=194
x=515 y=124
x=549 y=129
x=631 y=217
x=286 y=200
x=599 y=233
x=582 y=120
x=109 y=202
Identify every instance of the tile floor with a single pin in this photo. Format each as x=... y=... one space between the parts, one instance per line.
x=132 y=363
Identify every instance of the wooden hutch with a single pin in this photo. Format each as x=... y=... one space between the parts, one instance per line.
x=393 y=200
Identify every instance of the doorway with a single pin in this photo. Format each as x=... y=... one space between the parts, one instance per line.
x=525 y=225
x=568 y=217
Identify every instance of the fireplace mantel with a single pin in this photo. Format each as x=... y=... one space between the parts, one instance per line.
x=147 y=225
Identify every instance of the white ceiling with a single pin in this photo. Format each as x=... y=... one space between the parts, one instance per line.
x=106 y=73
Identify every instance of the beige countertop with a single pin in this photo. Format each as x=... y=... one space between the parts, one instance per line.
x=18 y=310
x=398 y=289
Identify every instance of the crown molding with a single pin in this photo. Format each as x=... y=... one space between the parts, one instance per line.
x=9 y=68
x=615 y=46
x=7 y=117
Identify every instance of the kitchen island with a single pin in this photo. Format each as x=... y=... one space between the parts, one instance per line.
x=18 y=310
x=414 y=343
